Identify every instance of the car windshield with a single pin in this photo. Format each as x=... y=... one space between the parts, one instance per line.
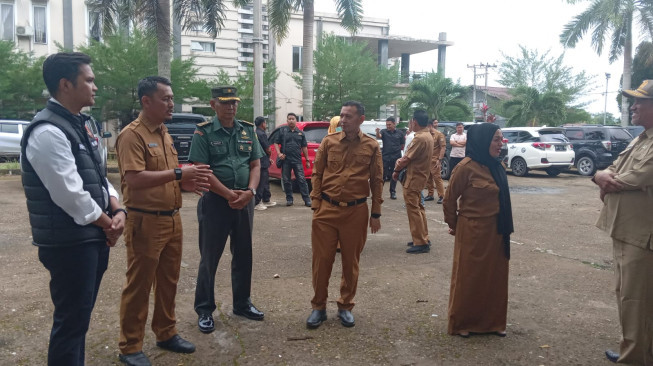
x=315 y=134
x=553 y=137
x=619 y=134
x=370 y=129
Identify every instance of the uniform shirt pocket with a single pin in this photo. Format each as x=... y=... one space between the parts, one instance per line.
x=155 y=158
x=334 y=161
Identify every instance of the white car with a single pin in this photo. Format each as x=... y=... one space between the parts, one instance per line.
x=545 y=148
x=11 y=132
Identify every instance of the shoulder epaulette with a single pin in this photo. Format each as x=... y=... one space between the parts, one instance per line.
x=249 y=123
x=202 y=124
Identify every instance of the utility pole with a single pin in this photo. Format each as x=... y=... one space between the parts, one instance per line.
x=258 y=58
x=605 y=108
x=485 y=75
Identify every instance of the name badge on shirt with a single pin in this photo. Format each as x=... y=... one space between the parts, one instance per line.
x=216 y=143
x=152 y=144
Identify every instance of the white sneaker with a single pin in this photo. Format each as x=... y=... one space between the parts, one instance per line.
x=269 y=204
x=260 y=207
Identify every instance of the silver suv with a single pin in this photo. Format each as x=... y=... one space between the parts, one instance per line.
x=11 y=132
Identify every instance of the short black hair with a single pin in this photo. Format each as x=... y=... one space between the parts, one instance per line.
x=148 y=85
x=459 y=124
x=259 y=120
x=390 y=119
x=421 y=117
x=359 y=106
x=63 y=65
x=292 y=114
x=433 y=120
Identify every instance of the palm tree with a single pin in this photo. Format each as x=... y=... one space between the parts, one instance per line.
x=614 y=19
x=154 y=15
x=532 y=108
x=351 y=13
x=434 y=93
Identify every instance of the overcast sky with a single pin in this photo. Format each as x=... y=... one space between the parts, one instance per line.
x=481 y=30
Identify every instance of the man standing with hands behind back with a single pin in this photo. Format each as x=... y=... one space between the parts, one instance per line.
x=627 y=216
x=348 y=166
x=293 y=144
x=232 y=149
x=73 y=209
x=151 y=181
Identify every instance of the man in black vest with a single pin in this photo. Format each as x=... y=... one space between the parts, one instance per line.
x=73 y=209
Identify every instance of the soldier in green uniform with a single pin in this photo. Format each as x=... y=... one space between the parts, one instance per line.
x=231 y=148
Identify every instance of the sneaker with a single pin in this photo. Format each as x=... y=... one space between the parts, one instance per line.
x=307 y=203
x=260 y=207
x=440 y=200
x=269 y=204
x=289 y=203
x=429 y=198
x=205 y=323
x=393 y=196
x=418 y=249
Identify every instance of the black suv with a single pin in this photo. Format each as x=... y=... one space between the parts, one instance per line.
x=182 y=127
x=596 y=146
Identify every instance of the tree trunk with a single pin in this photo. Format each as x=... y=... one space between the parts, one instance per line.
x=163 y=38
x=626 y=77
x=307 y=61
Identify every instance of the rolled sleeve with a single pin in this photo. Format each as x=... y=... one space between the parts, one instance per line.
x=50 y=154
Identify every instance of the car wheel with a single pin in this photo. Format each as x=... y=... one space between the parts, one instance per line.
x=586 y=166
x=519 y=167
x=444 y=168
x=554 y=172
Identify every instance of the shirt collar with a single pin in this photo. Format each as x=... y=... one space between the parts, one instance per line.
x=359 y=135
x=151 y=126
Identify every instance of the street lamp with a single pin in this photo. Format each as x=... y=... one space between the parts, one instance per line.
x=605 y=108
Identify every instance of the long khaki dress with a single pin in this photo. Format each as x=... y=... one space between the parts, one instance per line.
x=478 y=299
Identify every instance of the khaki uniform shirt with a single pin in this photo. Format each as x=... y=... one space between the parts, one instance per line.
x=227 y=151
x=628 y=215
x=420 y=152
x=439 y=144
x=141 y=146
x=348 y=170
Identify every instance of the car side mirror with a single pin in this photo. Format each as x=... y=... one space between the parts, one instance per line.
x=106 y=134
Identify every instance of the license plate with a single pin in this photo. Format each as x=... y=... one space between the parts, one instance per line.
x=183 y=144
x=561 y=148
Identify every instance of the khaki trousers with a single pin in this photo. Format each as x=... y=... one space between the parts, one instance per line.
x=634 y=289
x=331 y=224
x=416 y=216
x=153 y=260
x=435 y=181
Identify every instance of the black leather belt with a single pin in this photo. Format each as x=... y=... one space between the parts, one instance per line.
x=343 y=204
x=158 y=213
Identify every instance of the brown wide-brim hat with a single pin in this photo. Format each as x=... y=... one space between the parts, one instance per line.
x=644 y=91
x=225 y=93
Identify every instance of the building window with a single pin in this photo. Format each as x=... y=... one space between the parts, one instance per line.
x=7 y=22
x=95 y=25
x=40 y=26
x=202 y=46
x=296 y=58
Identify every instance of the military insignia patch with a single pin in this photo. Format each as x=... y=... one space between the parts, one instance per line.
x=199 y=132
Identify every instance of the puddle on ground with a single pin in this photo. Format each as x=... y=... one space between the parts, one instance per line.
x=534 y=190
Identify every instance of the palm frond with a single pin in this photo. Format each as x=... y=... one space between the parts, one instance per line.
x=279 y=12
x=351 y=13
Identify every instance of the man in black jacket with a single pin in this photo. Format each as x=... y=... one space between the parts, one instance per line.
x=263 y=191
x=73 y=209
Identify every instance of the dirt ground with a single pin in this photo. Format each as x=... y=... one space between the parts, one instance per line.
x=561 y=311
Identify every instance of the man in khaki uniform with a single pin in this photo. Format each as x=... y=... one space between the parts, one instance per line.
x=417 y=161
x=348 y=166
x=435 y=178
x=627 y=216
x=150 y=181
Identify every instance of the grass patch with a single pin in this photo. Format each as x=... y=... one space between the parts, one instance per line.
x=12 y=164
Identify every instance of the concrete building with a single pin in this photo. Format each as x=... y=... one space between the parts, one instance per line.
x=38 y=25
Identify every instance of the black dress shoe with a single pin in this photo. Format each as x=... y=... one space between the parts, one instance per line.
x=419 y=249
x=205 y=323
x=393 y=196
x=177 y=344
x=429 y=198
x=250 y=312
x=135 y=359
x=612 y=356
x=346 y=318
x=315 y=319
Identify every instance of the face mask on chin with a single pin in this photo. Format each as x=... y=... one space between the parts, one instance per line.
x=338 y=129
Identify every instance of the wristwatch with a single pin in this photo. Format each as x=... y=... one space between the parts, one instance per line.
x=177 y=173
x=252 y=190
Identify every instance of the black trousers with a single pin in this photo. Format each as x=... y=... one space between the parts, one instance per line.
x=388 y=169
x=453 y=162
x=263 y=189
x=217 y=221
x=75 y=276
x=298 y=168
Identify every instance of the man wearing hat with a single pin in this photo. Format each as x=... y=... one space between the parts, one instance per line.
x=231 y=148
x=627 y=194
